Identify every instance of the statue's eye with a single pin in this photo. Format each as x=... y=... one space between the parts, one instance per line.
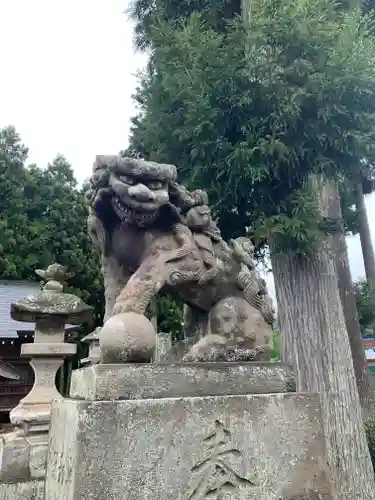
x=155 y=185
x=127 y=180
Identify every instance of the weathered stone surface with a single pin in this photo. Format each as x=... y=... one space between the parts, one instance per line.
x=177 y=352
x=14 y=458
x=217 y=348
x=38 y=455
x=51 y=302
x=23 y=458
x=127 y=337
x=237 y=331
x=44 y=350
x=46 y=359
x=163 y=345
x=31 y=490
x=263 y=447
x=133 y=381
x=46 y=303
x=92 y=339
x=223 y=344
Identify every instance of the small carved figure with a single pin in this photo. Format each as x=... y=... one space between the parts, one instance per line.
x=54 y=276
x=153 y=234
x=237 y=331
x=199 y=220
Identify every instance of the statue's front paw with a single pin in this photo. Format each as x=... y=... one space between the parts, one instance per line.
x=263 y=353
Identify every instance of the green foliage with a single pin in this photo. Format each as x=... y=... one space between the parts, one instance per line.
x=43 y=220
x=276 y=348
x=248 y=112
x=370 y=432
x=170 y=316
x=146 y=12
x=13 y=220
x=365 y=299
x=348 y=199
x=348 y=208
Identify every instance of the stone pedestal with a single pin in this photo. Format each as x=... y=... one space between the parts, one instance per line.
x=186 y=432
x=46 y=359
x=25 y=490
x=23 y=465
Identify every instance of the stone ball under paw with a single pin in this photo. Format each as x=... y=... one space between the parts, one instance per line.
x=127 y=338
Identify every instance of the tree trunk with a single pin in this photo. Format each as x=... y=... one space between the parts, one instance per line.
x=365 y=236
x=316 y=342
x=348 y=302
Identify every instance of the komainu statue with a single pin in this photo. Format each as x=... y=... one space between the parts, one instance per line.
x=154 y=235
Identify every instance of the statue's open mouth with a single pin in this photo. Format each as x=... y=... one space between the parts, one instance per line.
x=136 y=213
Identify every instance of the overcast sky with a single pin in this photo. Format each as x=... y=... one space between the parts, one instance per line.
x=67 y=75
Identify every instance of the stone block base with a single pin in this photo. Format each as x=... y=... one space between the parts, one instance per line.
x=23 y=458
x=137 y=381
x=23 y=465
x=253 y=447
x=30 y=490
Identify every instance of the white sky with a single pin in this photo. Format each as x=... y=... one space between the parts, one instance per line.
x=67 y=75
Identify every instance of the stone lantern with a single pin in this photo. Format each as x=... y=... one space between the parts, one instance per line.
x=23 y=452
x=50 y=310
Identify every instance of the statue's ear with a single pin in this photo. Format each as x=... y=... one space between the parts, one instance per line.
x=41 y=273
